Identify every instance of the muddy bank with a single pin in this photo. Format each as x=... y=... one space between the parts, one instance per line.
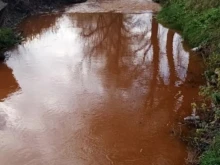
x=17 y=10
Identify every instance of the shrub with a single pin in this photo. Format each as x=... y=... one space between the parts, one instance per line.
x=7 y=38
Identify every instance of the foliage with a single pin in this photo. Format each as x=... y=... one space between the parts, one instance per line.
x=7 y=38
x=212 y=156
x=194 y=24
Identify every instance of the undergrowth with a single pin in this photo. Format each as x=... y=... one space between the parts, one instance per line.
x=199 y=22
x=212 y=155
x=7 y=39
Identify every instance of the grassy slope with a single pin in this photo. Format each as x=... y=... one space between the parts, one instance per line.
x=199 y=22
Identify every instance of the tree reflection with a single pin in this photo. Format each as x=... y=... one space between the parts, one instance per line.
x=134 y=50
x=169 y=52
x=101 y=87
x=39 y=24
x=132 y=46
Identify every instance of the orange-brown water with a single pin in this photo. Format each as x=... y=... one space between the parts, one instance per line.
x=96 y=89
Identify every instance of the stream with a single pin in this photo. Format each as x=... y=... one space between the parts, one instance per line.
x=98 y=83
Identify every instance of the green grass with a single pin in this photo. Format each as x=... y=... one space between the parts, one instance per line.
x=199 y=22
x=212 y=155
x=198 y=27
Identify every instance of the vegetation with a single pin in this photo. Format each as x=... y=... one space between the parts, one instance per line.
x=7 y=38
x=199 y=22
x=212 y=155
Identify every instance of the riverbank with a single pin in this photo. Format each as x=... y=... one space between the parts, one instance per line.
x=15 y=11
x=199 y=23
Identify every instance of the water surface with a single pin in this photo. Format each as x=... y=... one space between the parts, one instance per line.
x=96 y=89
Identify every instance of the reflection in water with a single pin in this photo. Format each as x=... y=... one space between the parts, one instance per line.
x=98 y=89
x=39 y=26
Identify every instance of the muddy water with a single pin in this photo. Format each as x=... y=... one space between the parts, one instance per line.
x=96 y=89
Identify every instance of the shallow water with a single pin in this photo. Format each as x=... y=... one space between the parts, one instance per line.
x=96 y=89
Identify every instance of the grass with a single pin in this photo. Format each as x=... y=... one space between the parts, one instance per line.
x=198 y=27
x=212 y=155
x=199 y=22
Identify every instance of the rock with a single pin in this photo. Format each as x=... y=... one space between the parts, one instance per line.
x=191 y=118
x=196 y=49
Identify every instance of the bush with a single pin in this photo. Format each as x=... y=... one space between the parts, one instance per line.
x=7 y=39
